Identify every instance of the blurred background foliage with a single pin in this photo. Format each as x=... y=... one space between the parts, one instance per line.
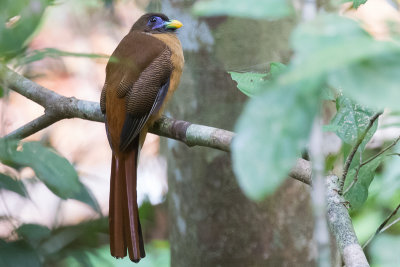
x=338 y=68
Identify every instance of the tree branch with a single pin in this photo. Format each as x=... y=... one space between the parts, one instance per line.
x=58 y=107
x=32 y=127
x=342 y=227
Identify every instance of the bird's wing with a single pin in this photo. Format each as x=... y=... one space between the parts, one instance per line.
x=146 y=96
x=139 y=71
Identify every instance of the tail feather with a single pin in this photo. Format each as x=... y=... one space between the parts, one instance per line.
x=117 y=238
x=125 y=229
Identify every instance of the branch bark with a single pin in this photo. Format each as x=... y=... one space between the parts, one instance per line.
x=342 y=227
x=59 y=107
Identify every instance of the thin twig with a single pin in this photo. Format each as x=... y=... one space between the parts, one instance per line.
x=383 y=151
x=382 y=227
x=390 y=225
x=32 y=127
x=354 y=150
x=368 y=161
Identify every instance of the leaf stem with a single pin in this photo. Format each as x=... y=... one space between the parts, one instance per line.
x=368 y=161
x=355 y=148
x=382 y=227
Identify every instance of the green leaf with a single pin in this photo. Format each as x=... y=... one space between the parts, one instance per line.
x=17 y=254
x=51 y=168
x=271 y=133
x=357 y=3
x=328 y=94
x=251 y=83
x=328 y=43
x=339 y=50
x=390 y=180
x=372 y=81
x=85 y=195
x=18 y=21
x=254 y=9
x=77 y=237
x=275 y=69
x=16 y=186
x=33 y=233
x=351 y=121
x=358 y=194
x=157 y=255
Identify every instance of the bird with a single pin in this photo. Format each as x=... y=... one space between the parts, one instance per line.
x=141 y=75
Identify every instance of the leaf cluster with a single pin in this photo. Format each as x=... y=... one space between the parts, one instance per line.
x=334 y=59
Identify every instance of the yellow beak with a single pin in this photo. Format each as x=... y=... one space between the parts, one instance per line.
x=173 y=24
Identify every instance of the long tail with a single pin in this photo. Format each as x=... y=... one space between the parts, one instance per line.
x=125 y=229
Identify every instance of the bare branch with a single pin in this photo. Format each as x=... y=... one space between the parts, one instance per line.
x=58 y=107
x=355 y=148
x=193 y=134
x=342 y=227
x=32 y=127
x=302 y=171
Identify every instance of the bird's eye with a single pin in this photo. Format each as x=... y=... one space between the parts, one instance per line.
x=153 y=19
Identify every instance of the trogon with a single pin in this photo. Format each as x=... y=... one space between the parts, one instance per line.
x=141 y=76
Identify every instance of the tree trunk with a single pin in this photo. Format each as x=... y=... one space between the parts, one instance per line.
x=211 y=222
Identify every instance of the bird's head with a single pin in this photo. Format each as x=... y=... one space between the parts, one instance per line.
x=156 y=23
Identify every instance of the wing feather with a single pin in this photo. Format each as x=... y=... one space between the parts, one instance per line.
x=145 y=97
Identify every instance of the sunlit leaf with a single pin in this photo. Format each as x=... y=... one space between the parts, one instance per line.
x=17 y=254
x=271 y=133
x=351 y=121
x=254 y=9
x=251 y=83
x=8 y=183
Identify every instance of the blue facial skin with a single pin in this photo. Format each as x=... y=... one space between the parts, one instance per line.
x=156 y=23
